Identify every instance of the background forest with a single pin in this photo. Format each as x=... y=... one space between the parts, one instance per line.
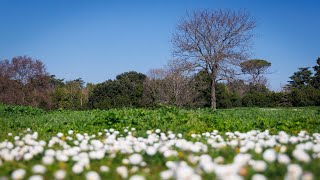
x=25 y=81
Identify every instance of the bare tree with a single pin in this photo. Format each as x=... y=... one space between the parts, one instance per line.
x=24 y=68
x=213 y=41
x=179 y=82
x=152 y=86
x=24 y=81
x=170 y=85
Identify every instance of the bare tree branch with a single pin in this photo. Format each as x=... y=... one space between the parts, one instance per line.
x=212 y=40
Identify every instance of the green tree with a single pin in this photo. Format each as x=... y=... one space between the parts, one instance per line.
x=303 y=89
x=125 y=91
x=316 y=77
x=301 y=78
x=69 y=95
x=255 y=68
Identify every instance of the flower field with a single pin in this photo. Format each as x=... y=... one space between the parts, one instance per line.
x=165 y=143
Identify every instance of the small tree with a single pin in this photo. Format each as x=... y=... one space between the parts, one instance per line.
x=213 y=41
x=255 y=68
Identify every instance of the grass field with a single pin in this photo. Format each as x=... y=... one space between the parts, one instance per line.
x=163 y=143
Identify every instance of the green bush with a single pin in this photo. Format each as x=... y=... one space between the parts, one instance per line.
x=19 y=110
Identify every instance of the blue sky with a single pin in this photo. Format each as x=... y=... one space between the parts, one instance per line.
x=96 y=40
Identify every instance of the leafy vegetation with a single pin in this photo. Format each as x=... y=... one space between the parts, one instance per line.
x=18 y=118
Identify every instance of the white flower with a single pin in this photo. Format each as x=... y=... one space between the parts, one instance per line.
x=47 y=160
x=151 y=151
x=125 y=161
x=59 y=135
x=9 y=145
x=62 y=157
x=172 y=136
x=77 y=169
x=9 y=134
x=158 y=131
x=259 y=166
x=207 y=166
x=168 y=174
x=269 y=155
x=301 y=155
x=27 y=156
x=50 y=152
x=184 y=172
x=122 y=171
x=104 y=168
x=283 y=159
x=195 y=177
x=18 y=174
x=134 y=169
x=76 y=142
x=307 y=176
x=36 y=177
x=242 y=159
x=283 y=149
x=143 y=164
x=219 y=160
x=294 y=172
x=137 y=177
x=70 y=132
x=258 y=177
x=60 y=174
x=92 y=175
x=38 y=169
x=258 y=149
x=135 y=159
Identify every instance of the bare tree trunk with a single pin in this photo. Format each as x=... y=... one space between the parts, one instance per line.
x=213 y=95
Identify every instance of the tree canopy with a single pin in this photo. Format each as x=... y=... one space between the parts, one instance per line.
x=255 y=68
x=125 y=91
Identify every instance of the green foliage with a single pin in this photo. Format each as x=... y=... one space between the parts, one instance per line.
x=304 y=87
x=125 y=91
x=316 y=77
x=254 y=67
x=15 y=110
x=308 y=96
x=69 y=95
x=292 y=120
x=300 y=78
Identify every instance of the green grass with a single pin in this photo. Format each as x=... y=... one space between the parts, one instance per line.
x=291 y=120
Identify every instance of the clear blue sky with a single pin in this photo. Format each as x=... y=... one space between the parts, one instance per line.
x=96 y=40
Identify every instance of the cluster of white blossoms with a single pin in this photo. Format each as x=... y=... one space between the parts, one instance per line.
x=185 y=159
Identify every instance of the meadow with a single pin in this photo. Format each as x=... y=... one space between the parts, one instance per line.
x=160 y=143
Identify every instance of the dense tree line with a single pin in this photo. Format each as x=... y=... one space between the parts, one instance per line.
x=25 y=81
